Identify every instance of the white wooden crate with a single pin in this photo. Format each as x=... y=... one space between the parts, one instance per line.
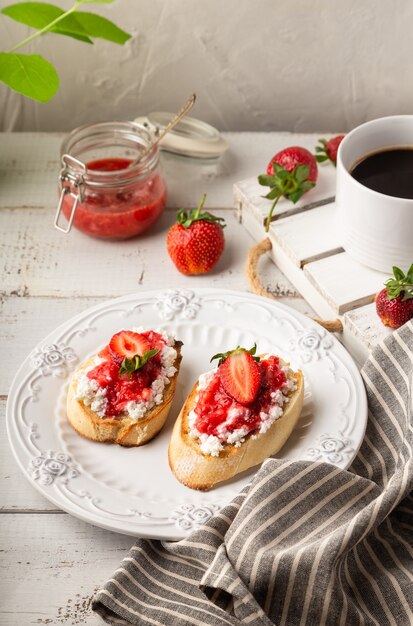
x=306 y=247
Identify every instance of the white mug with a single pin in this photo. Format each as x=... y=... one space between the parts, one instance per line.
x=375 y=229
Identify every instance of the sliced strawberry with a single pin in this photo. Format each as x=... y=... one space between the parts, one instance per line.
x=127 y=344
x=240 y=376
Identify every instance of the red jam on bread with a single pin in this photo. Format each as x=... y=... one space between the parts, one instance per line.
x=243 y=396
x=129 y=375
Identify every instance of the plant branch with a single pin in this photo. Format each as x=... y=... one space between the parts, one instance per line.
x=47 y=28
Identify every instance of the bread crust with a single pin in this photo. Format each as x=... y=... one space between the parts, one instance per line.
x=125 y=432
x=202 y=471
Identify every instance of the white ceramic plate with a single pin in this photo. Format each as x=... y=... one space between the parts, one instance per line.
x=132 y=490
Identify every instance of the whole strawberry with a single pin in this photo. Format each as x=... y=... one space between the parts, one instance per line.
x=290 y=173
x=394 y=303
x=196 y=242
x=327 y=150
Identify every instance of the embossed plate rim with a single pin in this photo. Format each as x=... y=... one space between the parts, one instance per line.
x=51 y=473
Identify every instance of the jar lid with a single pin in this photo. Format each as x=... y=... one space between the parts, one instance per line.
x=191 y=137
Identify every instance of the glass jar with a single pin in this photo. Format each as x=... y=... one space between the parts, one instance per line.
x=103 y=191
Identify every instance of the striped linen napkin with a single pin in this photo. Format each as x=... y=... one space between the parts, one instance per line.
x=305 y=544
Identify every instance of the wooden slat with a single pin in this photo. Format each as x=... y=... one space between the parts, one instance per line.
x=40 y=261
x=51 y=567
x=284 y=263
x=308 y=236
x=16 y=493
x=250 y=193
x=363 y=330
x=344 y=283
x=29 y=167
x=26 y=321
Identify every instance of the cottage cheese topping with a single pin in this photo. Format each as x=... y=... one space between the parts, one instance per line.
x=238 y=421
x=88 y=390
x=94 y=394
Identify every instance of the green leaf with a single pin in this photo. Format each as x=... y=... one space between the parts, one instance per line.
x=398 y=273
x=221 y=356
x=136 y=363
x=80 y=26
x=295 y=196
x=301 y=172
x=266 y=179
x=39 y=15
x=72 y=35
x=35 y=14
x=29 y=74
x=274 y=193
x=321 y=159
x=307 y=184
x=96 y=26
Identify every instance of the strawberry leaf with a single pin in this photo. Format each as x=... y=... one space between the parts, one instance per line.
x=301 y=172
x=196 y=215
x=400 y=285
x=283 y=183
x=307 y=184
x=295 y=196
x=398 y=273
x=221 y=356
x=266 y=179
x=136 y=363
x=271 y=195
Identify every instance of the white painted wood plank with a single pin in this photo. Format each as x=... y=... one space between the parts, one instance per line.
x=363 y=330
x=39 y=260
x=308 y=236
x=16 y=493
x=292 y=239
x=26 y=321
x=250 y=192
x=29 y=167
x=51 y=566
x=284 y=263
x=344 y=283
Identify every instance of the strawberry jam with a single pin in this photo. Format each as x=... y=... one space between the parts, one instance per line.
x=117 y=211
x=122 y=389
x=218 y=413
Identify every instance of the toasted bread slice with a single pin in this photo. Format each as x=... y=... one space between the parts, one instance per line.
x=202 y=471
x=125 y=431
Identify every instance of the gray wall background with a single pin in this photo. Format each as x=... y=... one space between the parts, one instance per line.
x=300 y=65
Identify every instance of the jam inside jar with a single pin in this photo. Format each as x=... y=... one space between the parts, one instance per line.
x=106 y=187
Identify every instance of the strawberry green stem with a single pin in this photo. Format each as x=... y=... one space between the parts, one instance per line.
x=200 y=207
x=269 y=216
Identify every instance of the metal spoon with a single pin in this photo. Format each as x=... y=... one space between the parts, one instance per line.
x=174 y=121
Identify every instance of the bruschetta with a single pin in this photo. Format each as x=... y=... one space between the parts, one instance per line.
x=236 y=415
x=123 y=394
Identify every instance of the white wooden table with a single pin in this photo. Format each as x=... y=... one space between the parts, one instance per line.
x=52 y=563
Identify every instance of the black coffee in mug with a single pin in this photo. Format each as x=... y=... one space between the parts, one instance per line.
x=388 y=171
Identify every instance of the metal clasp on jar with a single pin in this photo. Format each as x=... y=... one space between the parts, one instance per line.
x=72 y=182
